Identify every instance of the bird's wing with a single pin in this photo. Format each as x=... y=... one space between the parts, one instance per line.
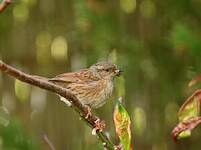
x=81 y=76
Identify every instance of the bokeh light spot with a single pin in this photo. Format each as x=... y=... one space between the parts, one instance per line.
x=22 y=90
x=8 y=102
x=128 y=6
x=4 y=116
x=150 y=71
x=147 y=8
x=30 y=2
x=38 y=99
x=21 y=12
x=43 y=41
x=139 y=116
x=59 y=48
x=120 y=84
x=113 y=56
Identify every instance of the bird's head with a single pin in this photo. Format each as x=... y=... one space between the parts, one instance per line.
x=106 y=69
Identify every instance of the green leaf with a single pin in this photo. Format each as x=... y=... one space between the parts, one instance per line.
x=184 y=134
x=184 y=128
x=188 y=116
x=191 y=107
x=122 y=125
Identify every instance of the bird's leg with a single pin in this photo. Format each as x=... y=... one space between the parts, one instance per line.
x=88 y=112
x=99 y=125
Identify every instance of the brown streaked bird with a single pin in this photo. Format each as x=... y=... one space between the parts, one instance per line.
x=92 y=86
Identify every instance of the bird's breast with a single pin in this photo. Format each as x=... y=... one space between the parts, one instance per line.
x=105 y=89
x=108 y=88
x=93 y=93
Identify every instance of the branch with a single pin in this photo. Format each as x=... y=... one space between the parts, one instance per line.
x=49 y=143
x=4 y=4
x=76 y=105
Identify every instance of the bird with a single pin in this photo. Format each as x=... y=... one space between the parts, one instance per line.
x=92 y=86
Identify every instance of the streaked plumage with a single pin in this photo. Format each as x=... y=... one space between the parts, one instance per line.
x=92 y=86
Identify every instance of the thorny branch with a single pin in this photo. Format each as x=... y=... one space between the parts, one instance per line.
x=76 y=105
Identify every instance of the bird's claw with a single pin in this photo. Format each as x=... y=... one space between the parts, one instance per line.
x=89 y=114
x=99 y=126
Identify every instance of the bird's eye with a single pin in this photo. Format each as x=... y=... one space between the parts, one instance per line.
x=107 y=70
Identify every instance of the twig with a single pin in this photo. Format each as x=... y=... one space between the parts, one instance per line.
x=4 y=4
x=76 y=105
x=49 y=143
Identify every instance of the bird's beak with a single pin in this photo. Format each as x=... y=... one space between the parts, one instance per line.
x=118 y=72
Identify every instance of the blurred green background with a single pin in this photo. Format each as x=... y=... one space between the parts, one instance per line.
x=157 y=43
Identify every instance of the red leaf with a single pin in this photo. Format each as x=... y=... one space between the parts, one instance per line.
x=187 y=125
x=188 y=116
x=122 y=125
x=191 y=107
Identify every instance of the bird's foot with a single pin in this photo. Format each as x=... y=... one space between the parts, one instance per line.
x=89 y=114
x=99 y=126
